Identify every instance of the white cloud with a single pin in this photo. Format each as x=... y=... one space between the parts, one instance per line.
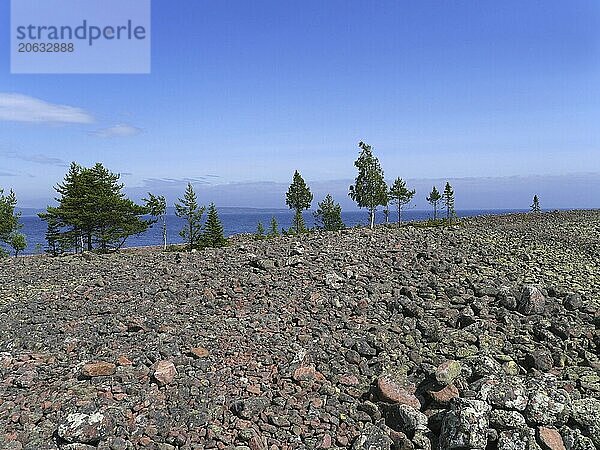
x=119 y=130
x=22 y=108
x=38 y=159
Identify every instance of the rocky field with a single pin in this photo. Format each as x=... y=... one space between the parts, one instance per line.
x=484 y=336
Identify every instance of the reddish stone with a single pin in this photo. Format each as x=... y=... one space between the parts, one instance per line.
x=98 y=369
x=304 y=373
x=443 y=396
x=550 y=439
x=164 y=372
x=256 y=443
x=326 y=441
x=124 y=361
x=349 y=380
x=253 y=389
x=393 y=392
x=199 y=352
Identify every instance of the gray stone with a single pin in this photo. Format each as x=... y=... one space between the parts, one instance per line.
x=506 y=420
x=83 y=428
x=465 y=425
x=532 y=301
x=405 y=418
x=372 y=438
x=586 y=412
x=507 y=393
x=548 y=407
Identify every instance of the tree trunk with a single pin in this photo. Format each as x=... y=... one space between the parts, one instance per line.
x=164 y=233
x=399 y=216
x=372 y=218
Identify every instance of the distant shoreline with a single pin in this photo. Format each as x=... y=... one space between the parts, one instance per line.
x=249 y=235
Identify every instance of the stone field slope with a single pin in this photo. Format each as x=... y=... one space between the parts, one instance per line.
x=483 y=336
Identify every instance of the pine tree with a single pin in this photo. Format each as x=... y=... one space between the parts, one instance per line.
x=400 y=196
x=328 y=216
x=260 y=231
x=53 y=235
x=157 y=207
x=188 y=209
x=434 y=198
x=273 y=228
x=213 y=229
x=369 y=190
x=9 y=220
x=448 y=199
x=535 y=207
x=18 y=242
x=298 y=198
x=93 y=212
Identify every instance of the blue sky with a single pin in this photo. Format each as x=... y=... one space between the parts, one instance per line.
x=243 y=93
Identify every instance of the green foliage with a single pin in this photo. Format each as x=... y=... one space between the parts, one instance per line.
x=400 y=195
x=157 y=207
x=369 y=190
x=433 y=199
x=93 y=212
x=213 y=229
x=273 y=228
x=298 y=223
x=188 y=209
x=298 y=198
x=535 y=207
x=448 y=199
x=260 y=231
x=53 y=235
x=9 y=220
x=328 y=216
x=17 y=242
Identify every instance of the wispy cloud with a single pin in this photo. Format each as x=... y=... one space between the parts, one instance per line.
x=7 y=174
x=38 y=159
x=174 y=182
x=119 y=130
x=22 y=108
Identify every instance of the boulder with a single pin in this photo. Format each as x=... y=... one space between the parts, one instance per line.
x=372 y=438
x=532 y=301
x=83 y=428
x=465 y=425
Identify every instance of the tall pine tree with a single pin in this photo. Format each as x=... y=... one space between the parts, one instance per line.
x=93 y=212
x=433 y=199
x=9 y=220
x=213 y=229
x=157 y=207
x=298 y=198
x=188 y=209
x=369 y=190
x=448 y=199
x=400 y=195
x=535 y=206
